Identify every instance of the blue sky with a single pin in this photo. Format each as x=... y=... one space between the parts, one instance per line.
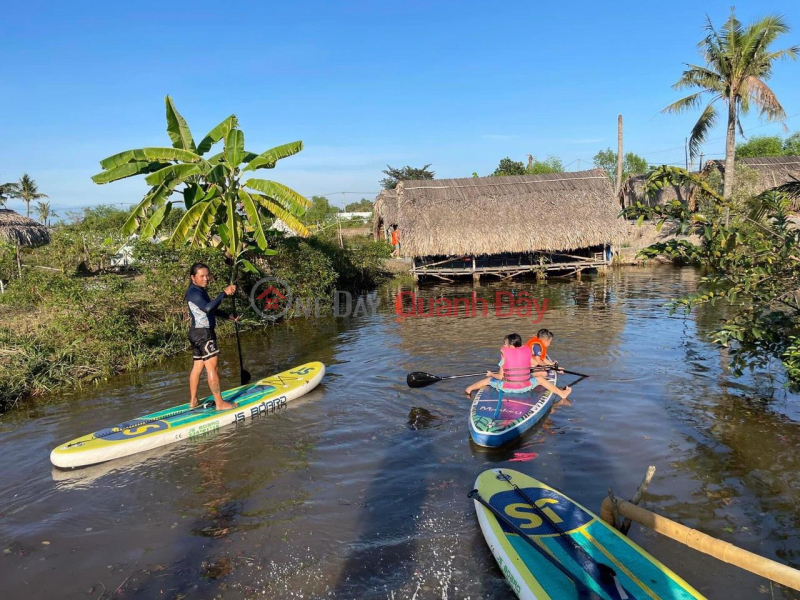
x=363 y=84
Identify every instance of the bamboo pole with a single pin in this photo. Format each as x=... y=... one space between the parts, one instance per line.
x=637 y=497
x=721 y=550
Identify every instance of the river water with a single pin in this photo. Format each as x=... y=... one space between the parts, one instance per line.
x=360 y=489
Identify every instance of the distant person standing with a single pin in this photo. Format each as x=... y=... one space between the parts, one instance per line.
x=205 y=351
x=396 y=241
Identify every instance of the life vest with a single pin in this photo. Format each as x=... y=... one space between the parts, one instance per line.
x=395 y=237
x=516 y=367
x=533 y=342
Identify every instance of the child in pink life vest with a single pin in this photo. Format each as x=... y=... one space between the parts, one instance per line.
x=515 y=369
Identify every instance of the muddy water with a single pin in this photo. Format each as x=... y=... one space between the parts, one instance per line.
x=359 y=490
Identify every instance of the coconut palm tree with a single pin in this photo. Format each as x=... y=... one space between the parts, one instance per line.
x=44 y=211
x=27 y=191
x=7 y=190
x=738 y=63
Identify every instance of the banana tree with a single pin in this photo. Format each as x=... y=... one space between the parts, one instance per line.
x=224 y=204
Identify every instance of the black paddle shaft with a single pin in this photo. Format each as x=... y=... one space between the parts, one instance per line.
x=605 y=571
x=584 y=592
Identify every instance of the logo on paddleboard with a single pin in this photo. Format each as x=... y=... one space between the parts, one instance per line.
x=565 y=514
x=133 y=430
x=271 y=298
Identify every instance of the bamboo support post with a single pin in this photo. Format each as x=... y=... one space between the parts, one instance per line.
x=637 y=497
x=614 y=514
x=719 y=549
x=19 y=263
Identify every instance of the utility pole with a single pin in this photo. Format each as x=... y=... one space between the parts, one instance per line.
x=618 y=183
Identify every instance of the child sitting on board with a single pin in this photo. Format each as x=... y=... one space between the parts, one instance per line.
x=538 y=345
x=515 y=365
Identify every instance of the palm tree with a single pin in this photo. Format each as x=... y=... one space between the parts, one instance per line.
x=44 y=212
x=7 y=190
x=27 y=191
x=738 y=62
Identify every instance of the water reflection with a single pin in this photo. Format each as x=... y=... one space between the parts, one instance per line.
x=359 y=490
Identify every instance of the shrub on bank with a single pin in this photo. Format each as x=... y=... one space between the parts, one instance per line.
x=71 y=318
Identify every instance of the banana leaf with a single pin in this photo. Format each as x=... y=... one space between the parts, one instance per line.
x=177 y=128
x=275 y=210
x=196 y=224
x=267 y=160
x=254 y=218
x=291 y=200
x=149 y=230
x=128 y=170
x=234 y=147
x=216 y=134
x=179 y=172
x=150 y=155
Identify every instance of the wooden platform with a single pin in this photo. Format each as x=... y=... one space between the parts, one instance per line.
x=505 y=268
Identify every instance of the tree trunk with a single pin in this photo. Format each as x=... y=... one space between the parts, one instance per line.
x=730 y=151
x=28 y=209
x=619 y=156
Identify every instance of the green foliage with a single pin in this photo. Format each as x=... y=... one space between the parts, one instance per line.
x=362 y=205
x=769 y=145
x=321 y=211
x=8 y=261
x=85 y=323
x=551 y=164
x=395 y=175
x=632 y=164
x=760 y=145
x=751 y=258
x=222 y=207
x=509 y=167
x=791 y=145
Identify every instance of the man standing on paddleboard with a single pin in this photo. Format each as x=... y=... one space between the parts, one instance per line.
x=205 y=351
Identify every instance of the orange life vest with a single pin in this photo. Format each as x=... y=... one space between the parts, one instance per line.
x=533 y=342
x=395 y=237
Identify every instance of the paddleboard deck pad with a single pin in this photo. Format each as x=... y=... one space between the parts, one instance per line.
x=534 y=576
x=265 y=396
x=518 y=413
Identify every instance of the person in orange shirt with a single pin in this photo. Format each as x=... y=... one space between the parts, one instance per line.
x=396 y=241
x=538 y=345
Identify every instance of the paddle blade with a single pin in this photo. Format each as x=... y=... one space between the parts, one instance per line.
x=420 y=379
x=246 y=377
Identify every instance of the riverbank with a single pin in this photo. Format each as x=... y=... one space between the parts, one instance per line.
x=73 y=319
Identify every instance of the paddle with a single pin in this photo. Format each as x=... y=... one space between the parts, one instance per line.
x=421 y=379
x=605 y=573
x=244 y=373
x=583 y=590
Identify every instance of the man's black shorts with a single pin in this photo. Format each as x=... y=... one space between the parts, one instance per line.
x=204 y=343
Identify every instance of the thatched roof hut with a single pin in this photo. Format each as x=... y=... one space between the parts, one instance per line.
x=515 y=214
x=21 y=230
x=384 y=212
x=632 y=191
x=772 y=170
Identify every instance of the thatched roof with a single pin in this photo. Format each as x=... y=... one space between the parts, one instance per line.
x=385 y=208
x=772 y=170
x=21 y=230
x=492 y=215
x=632 y=191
